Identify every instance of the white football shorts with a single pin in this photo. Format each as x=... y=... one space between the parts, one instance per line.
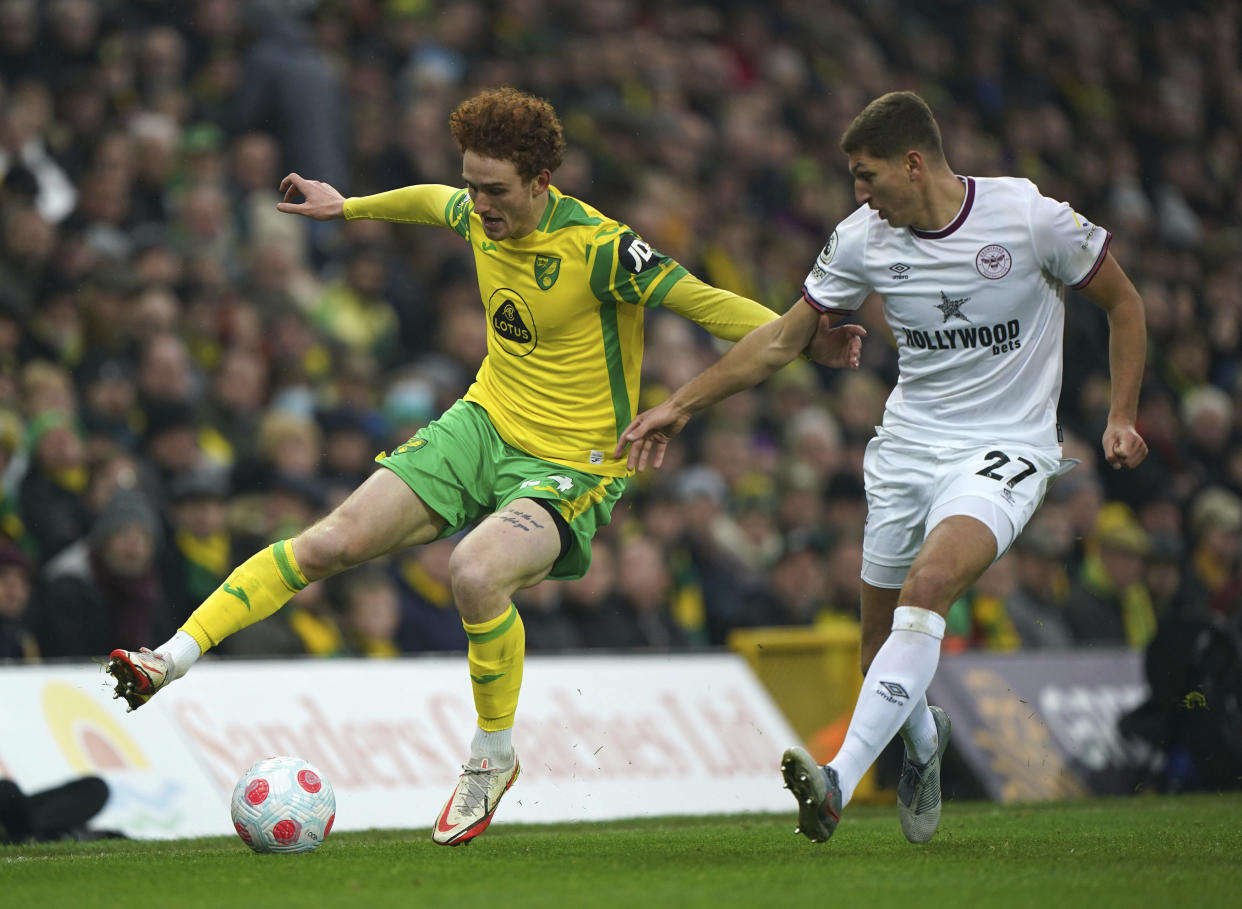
x=913 y=487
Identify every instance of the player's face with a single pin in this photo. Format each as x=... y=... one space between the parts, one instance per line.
x=884 y=185
x=509 y=206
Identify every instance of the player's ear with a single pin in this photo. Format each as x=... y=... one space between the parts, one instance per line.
x=914 y=164
x=542 y=180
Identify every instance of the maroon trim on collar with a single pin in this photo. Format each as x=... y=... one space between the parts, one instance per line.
x=957 y=222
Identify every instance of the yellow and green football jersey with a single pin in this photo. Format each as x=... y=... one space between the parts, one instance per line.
x=564 y=307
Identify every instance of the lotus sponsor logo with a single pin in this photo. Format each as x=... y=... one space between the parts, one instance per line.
x=513 y=322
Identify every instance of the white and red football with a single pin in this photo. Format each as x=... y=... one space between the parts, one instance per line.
x=283 y=804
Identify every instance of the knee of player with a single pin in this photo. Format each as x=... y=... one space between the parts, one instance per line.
x=472 y=574
x=327 y=548
x=933 y=586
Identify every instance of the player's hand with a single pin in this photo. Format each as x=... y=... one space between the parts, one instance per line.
x=1123 y=446
x=839 y=346
x=649 y=433
x=321 y=201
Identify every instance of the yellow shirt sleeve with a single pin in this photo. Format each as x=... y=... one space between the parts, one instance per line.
x=721 y=312
x=428 y=203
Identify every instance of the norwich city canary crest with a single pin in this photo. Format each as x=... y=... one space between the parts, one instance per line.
x=547 y=270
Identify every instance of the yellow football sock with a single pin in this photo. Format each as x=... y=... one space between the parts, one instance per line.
x=256 y=588
x=497 y=648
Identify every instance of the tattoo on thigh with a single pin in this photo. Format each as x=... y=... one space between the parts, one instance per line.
x=522 y=520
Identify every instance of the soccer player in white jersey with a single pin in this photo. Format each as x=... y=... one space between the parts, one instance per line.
x=973 y=273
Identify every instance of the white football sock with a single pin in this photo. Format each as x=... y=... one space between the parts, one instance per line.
x=895 y=683
x=919 y=733
x=183 y=651
x=497 y=747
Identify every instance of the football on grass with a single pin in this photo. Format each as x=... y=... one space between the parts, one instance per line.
x=283 y=804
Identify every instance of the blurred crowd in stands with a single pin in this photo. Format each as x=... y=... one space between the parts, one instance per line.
x=187 y=375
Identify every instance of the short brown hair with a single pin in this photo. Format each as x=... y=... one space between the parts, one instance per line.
x=893 y=124
x=510 y=125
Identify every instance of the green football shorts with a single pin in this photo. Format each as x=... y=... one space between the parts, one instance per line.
x=464 y=471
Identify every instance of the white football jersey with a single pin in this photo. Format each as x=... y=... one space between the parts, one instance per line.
x=977 y=309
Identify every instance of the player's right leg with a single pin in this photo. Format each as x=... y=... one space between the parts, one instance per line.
x=509 y=550
x=818 y=792
x=381 y=515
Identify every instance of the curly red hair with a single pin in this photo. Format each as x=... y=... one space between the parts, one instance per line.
x=510 y=125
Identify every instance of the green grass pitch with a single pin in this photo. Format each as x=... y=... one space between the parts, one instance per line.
x=1144 y=851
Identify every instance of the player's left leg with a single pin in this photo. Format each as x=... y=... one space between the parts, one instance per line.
x=921 y=732
x=513 y=548
x=955 y=553
x=925 y=733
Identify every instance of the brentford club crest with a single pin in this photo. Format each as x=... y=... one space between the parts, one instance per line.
x=993 y=261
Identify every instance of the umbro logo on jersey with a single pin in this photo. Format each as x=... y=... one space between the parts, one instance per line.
x=899 y=270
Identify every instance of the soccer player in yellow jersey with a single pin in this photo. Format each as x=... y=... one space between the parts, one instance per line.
x=527 y=455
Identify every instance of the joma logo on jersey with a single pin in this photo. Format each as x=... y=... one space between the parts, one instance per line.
x=1001 y=337
x=547 y=270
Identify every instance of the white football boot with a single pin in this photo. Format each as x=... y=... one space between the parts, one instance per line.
x=470 y=808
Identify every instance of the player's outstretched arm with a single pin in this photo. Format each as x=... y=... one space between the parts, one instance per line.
x=1113 y=291
x=752 y=359
x=320 y=201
